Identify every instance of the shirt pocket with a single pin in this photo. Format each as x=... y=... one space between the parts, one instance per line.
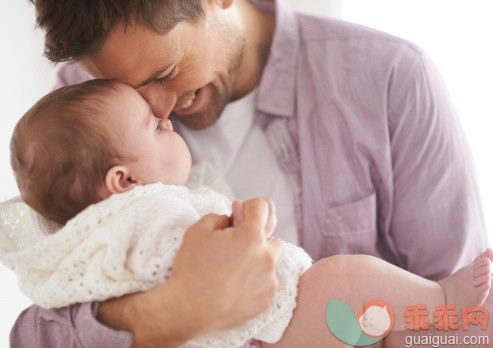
x=349 y=219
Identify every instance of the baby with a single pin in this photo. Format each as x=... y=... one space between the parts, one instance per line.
x=94 y=158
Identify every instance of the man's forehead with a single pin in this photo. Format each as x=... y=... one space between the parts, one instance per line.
x=134 y=53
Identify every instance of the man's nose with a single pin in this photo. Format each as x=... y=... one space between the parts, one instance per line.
x=162 y=101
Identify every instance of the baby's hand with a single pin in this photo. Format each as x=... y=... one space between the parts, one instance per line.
x=237 y=215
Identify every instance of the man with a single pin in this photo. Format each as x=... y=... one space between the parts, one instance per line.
x=361 y=150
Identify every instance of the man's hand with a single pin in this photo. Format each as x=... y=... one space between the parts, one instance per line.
x=221 y=277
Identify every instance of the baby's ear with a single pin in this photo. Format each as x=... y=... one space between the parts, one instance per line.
x=118 y=180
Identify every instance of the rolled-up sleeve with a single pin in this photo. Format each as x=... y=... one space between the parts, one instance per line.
x=437 y=223
x=74 y=326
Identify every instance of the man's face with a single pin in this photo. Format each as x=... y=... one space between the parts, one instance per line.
x=190 y=71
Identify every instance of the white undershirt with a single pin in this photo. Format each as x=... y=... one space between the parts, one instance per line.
x=239 y=150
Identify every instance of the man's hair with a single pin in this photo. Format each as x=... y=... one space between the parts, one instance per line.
x=62 y=148
x=77 y=29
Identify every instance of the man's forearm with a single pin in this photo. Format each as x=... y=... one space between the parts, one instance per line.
x=157 y=317
x=73 y=326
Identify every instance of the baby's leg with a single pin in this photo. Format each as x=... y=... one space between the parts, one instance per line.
x=356 y=280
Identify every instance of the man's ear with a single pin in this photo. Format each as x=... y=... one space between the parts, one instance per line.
x=225 y=4
x=118 y=180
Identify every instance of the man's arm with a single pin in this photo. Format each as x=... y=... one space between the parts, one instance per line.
x=437 y=223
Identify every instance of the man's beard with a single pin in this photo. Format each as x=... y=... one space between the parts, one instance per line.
x=221 y=90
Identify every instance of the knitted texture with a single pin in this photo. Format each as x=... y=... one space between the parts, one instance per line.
x=127 y=243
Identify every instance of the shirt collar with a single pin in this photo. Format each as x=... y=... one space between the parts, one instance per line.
x=277 y=88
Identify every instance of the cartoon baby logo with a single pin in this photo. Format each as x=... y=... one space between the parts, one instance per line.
x=376 y=318
x=373 y=322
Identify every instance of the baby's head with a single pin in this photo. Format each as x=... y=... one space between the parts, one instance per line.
x=80 y=144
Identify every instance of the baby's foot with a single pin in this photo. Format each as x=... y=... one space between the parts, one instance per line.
x=469 y=286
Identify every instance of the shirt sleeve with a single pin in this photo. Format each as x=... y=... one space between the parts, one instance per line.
x=74 y=326
x=437 y=222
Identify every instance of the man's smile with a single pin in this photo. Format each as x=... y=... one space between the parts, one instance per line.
x=190 y=102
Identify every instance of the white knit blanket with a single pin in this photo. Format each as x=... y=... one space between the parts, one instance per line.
x=126 y=244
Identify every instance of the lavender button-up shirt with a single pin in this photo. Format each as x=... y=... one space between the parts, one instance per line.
x=363 y=125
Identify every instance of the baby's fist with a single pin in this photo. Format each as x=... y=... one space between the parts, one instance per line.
x=237 y=215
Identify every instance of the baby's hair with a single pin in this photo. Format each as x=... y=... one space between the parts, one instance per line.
x=62 y=148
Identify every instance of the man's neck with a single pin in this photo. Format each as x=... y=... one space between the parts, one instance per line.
x=258 y=29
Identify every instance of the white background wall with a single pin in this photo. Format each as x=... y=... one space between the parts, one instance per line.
x=330 y=8
x=24 y=77
x=454 y=32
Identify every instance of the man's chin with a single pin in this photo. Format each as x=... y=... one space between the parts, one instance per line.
x=212 y=105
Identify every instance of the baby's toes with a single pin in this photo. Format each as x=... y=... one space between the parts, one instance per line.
x=482 y=279
x=483 y=289
x=482 y=268
x=480 y=263
x=489 y=253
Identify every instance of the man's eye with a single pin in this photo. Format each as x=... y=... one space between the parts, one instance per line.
x=159 y=125
x=163 y=79
x=168 y=77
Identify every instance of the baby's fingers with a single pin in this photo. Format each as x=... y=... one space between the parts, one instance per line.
x=256 y=214
x=237 y=213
